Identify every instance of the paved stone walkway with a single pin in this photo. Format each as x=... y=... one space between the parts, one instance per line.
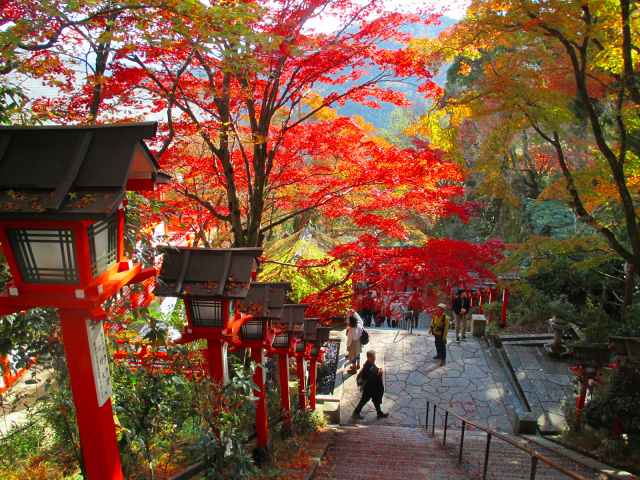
x=466 y=383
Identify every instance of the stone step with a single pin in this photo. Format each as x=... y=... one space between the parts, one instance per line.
x=364 y=452
x=373 y=452
x=331 y=412
x=526 y=337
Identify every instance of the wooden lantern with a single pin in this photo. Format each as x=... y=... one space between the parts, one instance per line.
x=209 y=280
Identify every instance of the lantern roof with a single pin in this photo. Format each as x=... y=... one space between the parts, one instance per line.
x=293 y=313
x=206 y=272
x=323 y=333
x=265 y=299
x=70 y=171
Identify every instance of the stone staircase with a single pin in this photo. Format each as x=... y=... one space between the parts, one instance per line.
x=371 y=452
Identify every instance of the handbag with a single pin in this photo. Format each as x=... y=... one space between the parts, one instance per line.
x=364 y=338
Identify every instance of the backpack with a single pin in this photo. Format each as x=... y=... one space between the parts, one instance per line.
x=364 y=338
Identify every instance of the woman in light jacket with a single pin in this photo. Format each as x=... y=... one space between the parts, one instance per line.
x=354 y=347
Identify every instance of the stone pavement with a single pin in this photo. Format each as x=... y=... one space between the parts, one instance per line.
x=371 y=452
x=545 y=383
x=467 y=383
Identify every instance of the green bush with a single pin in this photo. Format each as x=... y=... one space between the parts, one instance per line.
x=616 y=406
x=307 y=421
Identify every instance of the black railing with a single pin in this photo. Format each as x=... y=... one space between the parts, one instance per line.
x=534 y=455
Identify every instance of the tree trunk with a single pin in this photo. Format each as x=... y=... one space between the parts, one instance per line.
x=629 y=285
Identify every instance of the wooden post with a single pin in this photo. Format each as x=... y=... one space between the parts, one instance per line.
x=505 y=304
x=285 y=401
x=87 y=362
x=580 y=401
x=261 y=453
x=313 y=370
x=302 y=388
x=217 y=359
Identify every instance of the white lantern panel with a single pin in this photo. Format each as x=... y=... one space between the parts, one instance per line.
x=45 y=256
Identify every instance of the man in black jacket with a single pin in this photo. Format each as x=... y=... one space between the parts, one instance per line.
x=370 y=380
x=460 y=307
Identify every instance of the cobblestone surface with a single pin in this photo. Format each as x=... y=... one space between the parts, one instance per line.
x=466 y=383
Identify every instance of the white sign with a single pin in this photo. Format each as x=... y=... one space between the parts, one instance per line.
x=99 y=361
x=225 y=364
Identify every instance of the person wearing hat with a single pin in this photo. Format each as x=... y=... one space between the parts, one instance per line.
x=439 y=330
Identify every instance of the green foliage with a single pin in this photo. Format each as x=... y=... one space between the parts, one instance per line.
x=169 y=420
x=617 y=404
x=597 y=324
x=47 y=445
x=27 y=334
x=552 y=218
x=532 y=307
x=306 y=421
x=312 y=275
x=154 y=409
x=226 y=412
x=630 y=327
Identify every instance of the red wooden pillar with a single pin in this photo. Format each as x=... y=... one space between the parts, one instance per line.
x=95 y=422
x=313 y=370
x=262 y=418
x=302 y=388
x=480 y=309
x=505 y=304
x=217 y=359
x=285 y=401
x=580 y=401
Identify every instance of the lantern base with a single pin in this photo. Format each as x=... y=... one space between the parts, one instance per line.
x=261 y=456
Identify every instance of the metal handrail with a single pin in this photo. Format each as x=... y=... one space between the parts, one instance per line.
x=491 y=433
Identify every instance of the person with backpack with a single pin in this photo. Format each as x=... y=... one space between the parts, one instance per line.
x=370 y=380
x=354 y=346
x=439 y=330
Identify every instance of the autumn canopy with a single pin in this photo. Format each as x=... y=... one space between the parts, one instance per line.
x=250 y=96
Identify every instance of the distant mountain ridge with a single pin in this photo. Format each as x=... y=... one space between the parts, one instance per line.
x=380 y=117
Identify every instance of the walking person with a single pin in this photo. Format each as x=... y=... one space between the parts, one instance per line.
x=367 y=308
x=439 y=330
x=467 y=302
x=459 y=314
x=397 y=312
x=372 y=384
x=415 y=305
x=354 y=347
